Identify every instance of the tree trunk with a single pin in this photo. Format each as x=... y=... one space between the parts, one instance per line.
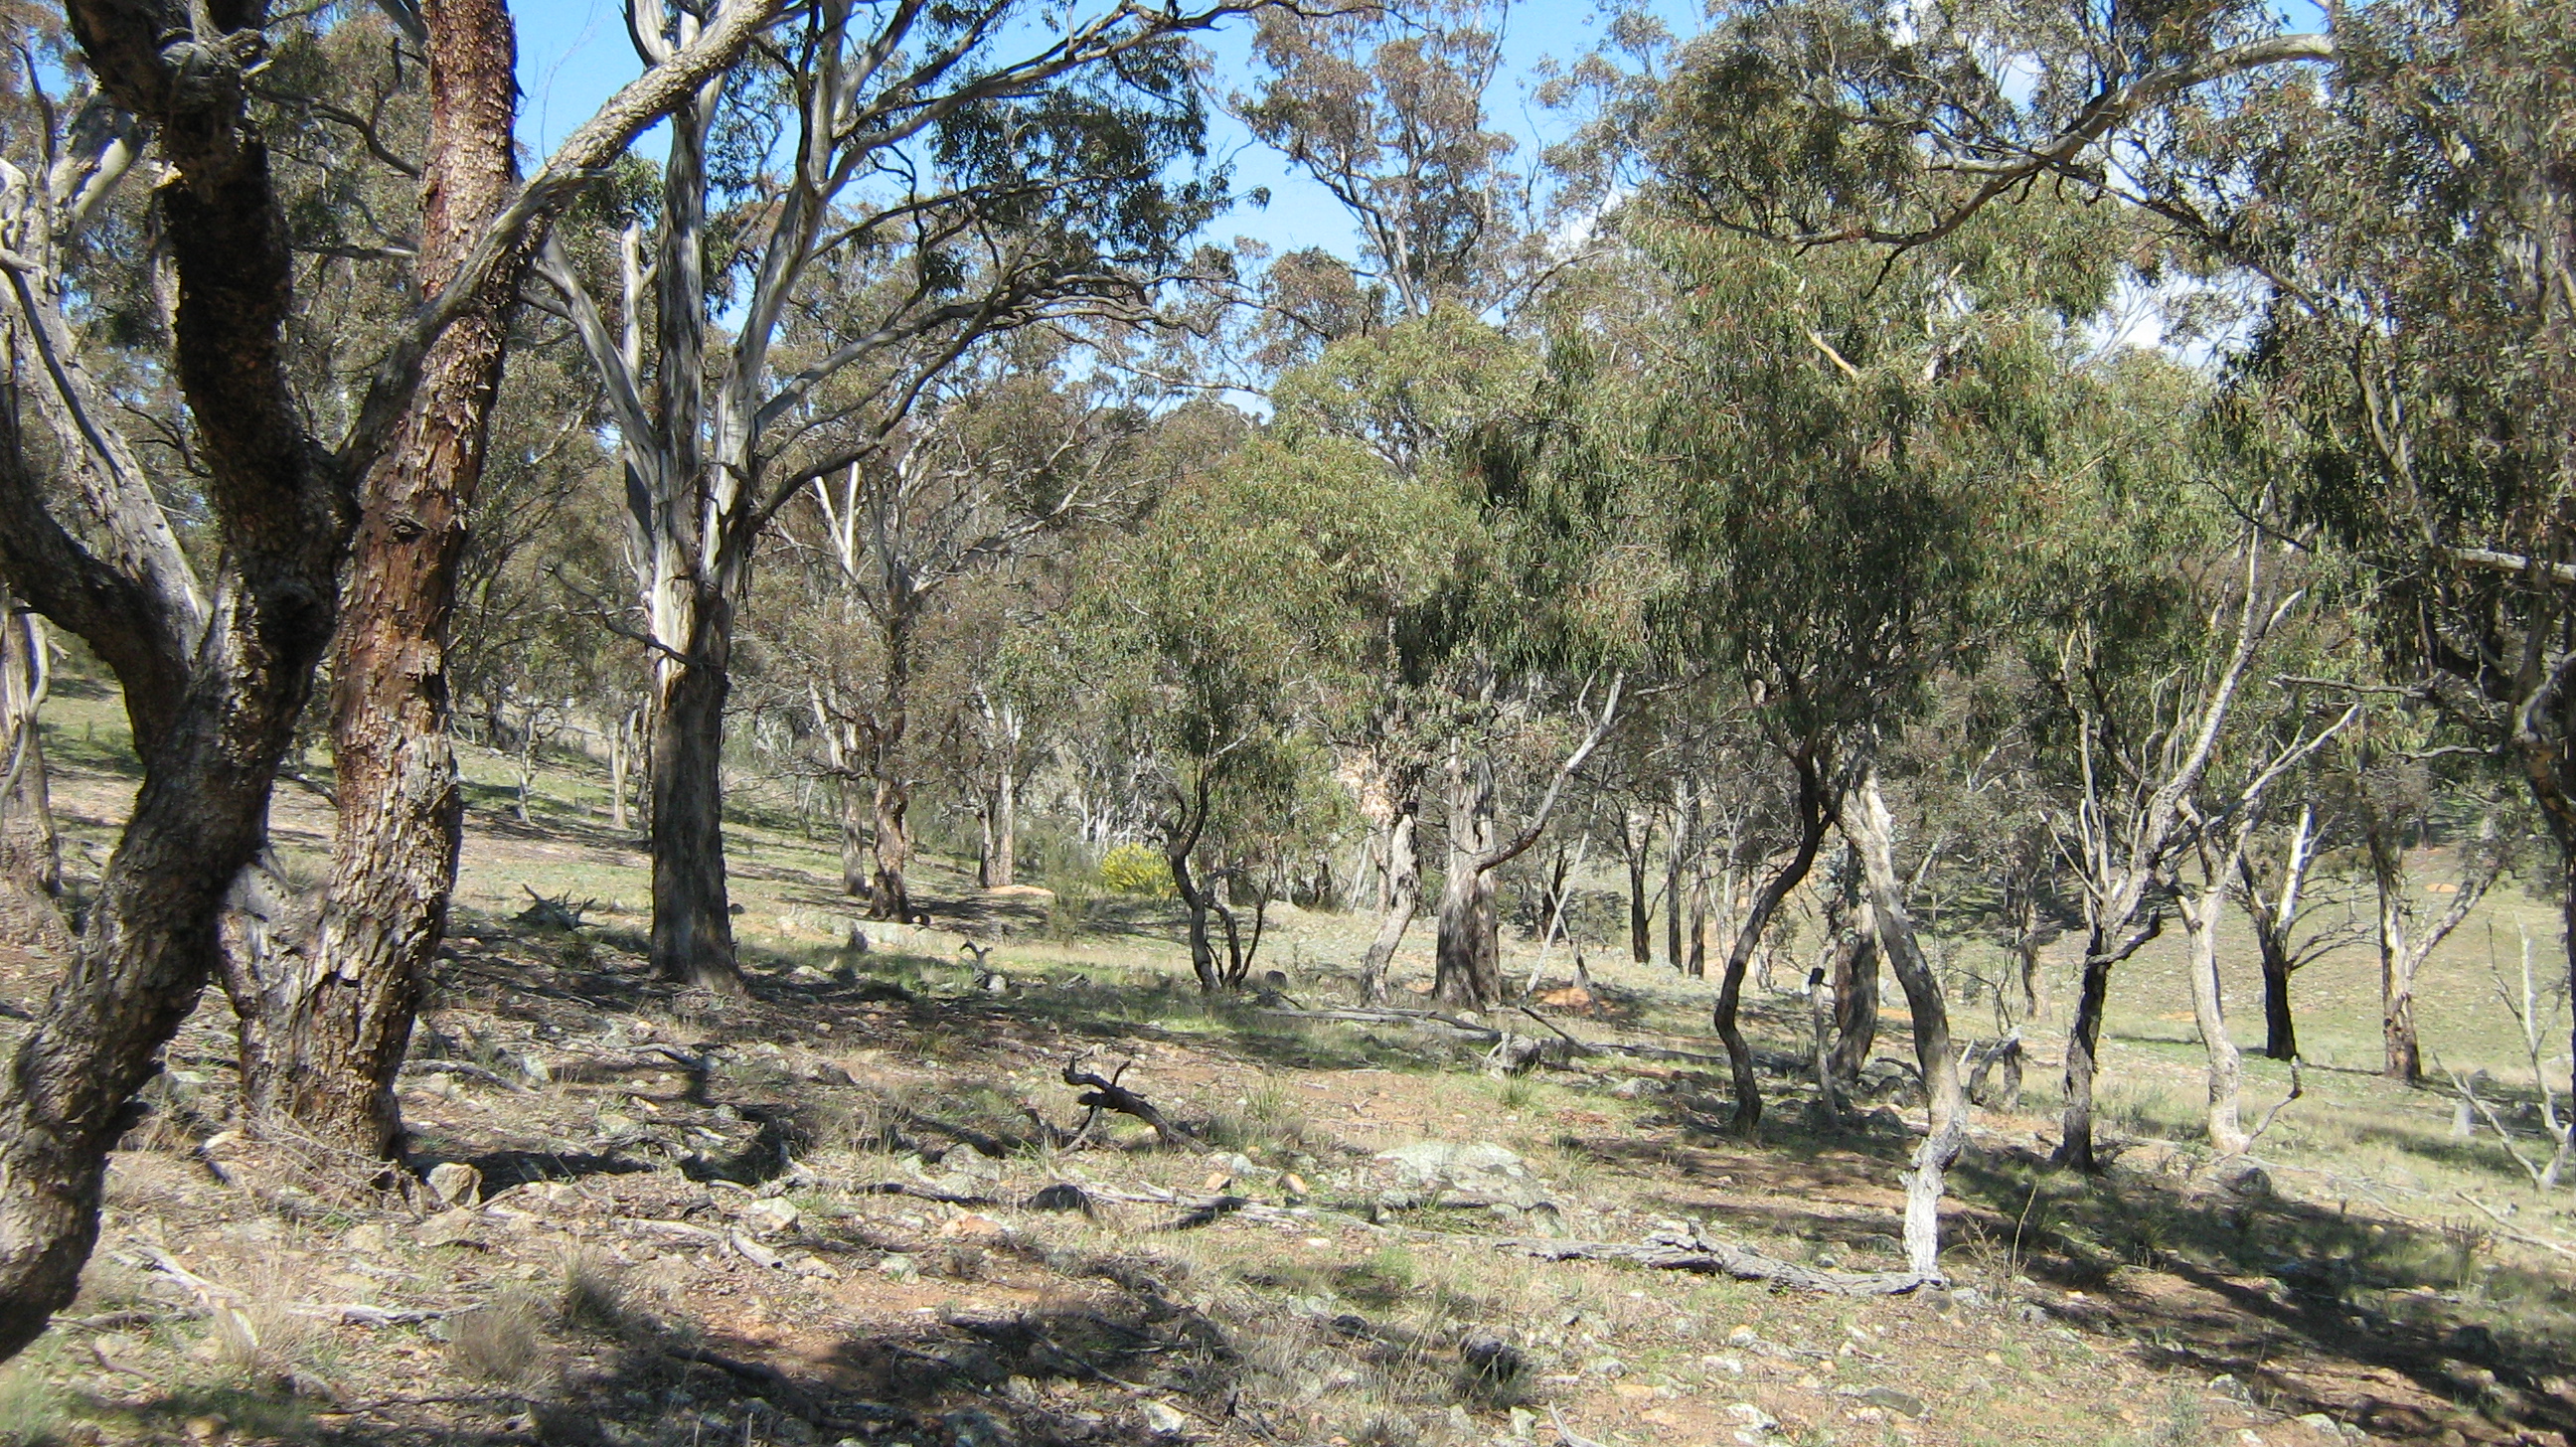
x=213 y=712
x=1006 y=828
x=692 y=915
x=1404 y=884
x=2280 y=1025
x=1468 y=971
x=2200 y=912
x=1638 y=838
x=620 y=759
x=888 y=896
x=1852 y=923
x=2402 y=1055
x=2083 y=1044
x=1180 y=840
x=856 y=810
x=1814 y=816
x=1875 y=832
x=30 y=850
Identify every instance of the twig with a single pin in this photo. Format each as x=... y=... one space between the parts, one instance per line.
x=1693 y=1251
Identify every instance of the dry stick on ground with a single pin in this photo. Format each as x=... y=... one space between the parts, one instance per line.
x=1107 y=1094
x=1693 y=1251
x=2513 y=1232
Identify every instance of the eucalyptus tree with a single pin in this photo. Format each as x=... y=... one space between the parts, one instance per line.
x=2413 y=239
x=216 y=672
x=1003 y=449
x=891 y=186
x=1386 y=108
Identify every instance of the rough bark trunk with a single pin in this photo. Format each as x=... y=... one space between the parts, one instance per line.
x=30 y=849
x=2280 y=1023
x=1852 y=922
x=212 y=715
x=1404 y=883
x=1180 y=840
x=1638 y=838
x=620 y=758
x=1814 y=817
x=889 y=897
x=1467 y=968
x=2083 y=1047
x=1875 y=832
x=2273 y=921
x=692 y=916
x=335 y=1024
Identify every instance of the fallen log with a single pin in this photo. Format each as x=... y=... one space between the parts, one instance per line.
x=1675 y=1250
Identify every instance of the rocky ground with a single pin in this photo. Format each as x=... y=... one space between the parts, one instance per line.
x=865 y=1206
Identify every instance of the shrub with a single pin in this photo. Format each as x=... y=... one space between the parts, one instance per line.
x=1136 y=869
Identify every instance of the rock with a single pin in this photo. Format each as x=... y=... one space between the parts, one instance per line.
x=1489 y=1358
x=1732 y=1366
x=1447 y=1173
x=1894 y=1401
x=2244 y=1180
x=2226 y=1385
x=1635 y=1087
x=1524 y=1423
x=770 y=1216
x=1753 y=1417
x=455 y=1183
x=448 y=1228
x=367 y=1238
x=1968 y=1296
x=1164 y=1420
x=899 y=1267
x=972 y=1428
x=1062 y=1196
x=1743 y=1336
x=1606 y=1367
x=755 y=1253
x=2320 y=1423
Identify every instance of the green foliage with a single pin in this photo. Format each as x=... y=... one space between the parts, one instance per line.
x=1136 y=869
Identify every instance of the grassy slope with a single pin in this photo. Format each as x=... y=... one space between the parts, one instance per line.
x=2106 y=1309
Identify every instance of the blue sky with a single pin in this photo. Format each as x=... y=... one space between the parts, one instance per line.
x=573 y=54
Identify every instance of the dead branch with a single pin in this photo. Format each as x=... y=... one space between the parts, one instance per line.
x=1105 y=1093
x=1692 y=1250
x=2513 y=1232
x=558 y=912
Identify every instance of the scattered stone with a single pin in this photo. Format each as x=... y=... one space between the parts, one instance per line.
x=1732 y=1366
x=900 y=1267
x=367 y=1238
x=1635 y=1087
x=1062 y=1196
x=1968 y=1296
x=2321 y=1423
x=1490 y=1358
x=1524 y=1423
x=1446 y=1173
x=1894 y=1401
x=771 y=1216
x=1743 y=1336
x=1753 y=1417
x=1606 y=1367
x=449 y=1228
x=455 y=1183
x=1164 y=1420
x=972 y=1428
x=2226 y=1385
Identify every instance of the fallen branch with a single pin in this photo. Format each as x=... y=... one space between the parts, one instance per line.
x=469 y=1071
x=1692 y=1251
x=1101 y=1093
x=2514 y=1232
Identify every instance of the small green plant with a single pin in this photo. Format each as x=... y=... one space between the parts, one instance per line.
x=1136 y=869
x=31 y=1408
x=1070 y=914
x=1516 y=1092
